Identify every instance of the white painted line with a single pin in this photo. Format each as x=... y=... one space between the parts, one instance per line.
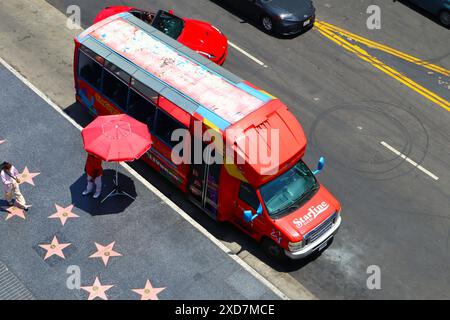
x=155 y=190
x=245 y=53
x=413 y=163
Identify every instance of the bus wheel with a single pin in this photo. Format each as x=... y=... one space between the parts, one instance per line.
x=272 y=249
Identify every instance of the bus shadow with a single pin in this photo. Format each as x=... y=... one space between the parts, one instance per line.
x=78 y=113
x=113 y=205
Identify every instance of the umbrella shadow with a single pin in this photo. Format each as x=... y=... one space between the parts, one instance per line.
x=113 y=205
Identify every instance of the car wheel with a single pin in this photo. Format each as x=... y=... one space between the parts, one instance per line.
x=272 y=249
x=267 y=23
x=444 y=17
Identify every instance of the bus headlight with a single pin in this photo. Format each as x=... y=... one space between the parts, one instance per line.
x=295 y=246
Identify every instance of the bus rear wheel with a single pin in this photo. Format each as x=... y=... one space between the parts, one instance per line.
x=272 y=249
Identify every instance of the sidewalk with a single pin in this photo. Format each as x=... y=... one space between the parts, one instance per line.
x=150 y=240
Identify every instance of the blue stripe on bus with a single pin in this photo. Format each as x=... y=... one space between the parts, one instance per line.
x=212 y=117
x=254 y=92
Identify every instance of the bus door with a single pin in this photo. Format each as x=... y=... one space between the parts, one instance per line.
x=247 y=199
x=204 y=185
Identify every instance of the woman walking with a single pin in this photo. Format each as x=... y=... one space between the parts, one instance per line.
x=11 y=181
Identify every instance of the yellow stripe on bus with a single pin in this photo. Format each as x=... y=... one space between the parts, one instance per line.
x=265 y=92
x=211 y=125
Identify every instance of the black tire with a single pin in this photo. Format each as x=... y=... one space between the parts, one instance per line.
x=267 y=24
x=272 y=249
x=444 y=18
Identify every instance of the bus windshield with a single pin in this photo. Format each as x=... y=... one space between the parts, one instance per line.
x=168 y=23
x=289 y=191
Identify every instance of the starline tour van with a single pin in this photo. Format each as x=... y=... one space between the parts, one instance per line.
x=234 y=149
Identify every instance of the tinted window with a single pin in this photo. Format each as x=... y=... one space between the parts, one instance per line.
x=146 y=91
x=248 y=195
x=118 y=72
x=141 y=109
x=168 y=23
x=115 y=89
x=90 y=70
x=165 y=125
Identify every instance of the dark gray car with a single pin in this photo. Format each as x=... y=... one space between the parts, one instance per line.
x=440 y=8
x=284 y=17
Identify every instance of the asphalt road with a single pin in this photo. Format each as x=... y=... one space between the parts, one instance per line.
x=395 y=216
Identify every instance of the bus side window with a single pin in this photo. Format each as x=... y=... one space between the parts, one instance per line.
x=248 y=195
x=145 y=91
x=165 y=126
x=141 y=109
x=113 y=87
x=89 y=70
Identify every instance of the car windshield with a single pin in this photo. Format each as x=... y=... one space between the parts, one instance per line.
x=168 y=23
x=289 y=191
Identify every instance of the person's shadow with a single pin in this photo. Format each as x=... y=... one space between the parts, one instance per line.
x=112 y=205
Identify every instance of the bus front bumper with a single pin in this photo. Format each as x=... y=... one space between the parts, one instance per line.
x=317 y=245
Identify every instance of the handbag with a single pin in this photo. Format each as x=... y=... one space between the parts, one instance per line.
x=17 y=180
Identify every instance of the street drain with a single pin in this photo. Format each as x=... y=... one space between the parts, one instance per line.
x=10 y=286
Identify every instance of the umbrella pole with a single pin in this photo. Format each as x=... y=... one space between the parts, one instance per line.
x=117 y=191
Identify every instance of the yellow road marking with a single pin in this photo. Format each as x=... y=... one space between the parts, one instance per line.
x=387 y=49
x=364 y=55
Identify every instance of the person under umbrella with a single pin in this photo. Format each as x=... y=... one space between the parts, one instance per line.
x=115 y=138
x=94 y=172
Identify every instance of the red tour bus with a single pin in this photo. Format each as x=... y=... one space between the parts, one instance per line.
x=123 y=65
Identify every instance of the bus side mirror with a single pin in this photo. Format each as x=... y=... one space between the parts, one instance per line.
x=320 y=165
x=248 y=215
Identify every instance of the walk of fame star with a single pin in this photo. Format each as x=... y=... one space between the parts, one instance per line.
x=97 y=290
x=63 y=213
x=27 y=176
x=54 y=248
x=105 y=252
x=15 y=211
x=148 y=292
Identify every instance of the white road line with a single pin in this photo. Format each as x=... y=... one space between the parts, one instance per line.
x=155 y=190
x=245 y=53
x=413 y=163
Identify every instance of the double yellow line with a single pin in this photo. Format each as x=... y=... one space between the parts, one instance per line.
x=336 y=35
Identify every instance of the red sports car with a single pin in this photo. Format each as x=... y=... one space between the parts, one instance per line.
x=200 y=36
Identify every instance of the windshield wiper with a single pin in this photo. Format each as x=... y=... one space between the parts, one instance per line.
x=305 y=196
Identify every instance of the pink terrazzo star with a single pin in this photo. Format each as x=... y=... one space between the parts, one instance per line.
x=27 y=176
x=54 y=248
x=105 y=252
x=63 y=213
x=15 y=211
x=97 y=290
x=148 y=292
